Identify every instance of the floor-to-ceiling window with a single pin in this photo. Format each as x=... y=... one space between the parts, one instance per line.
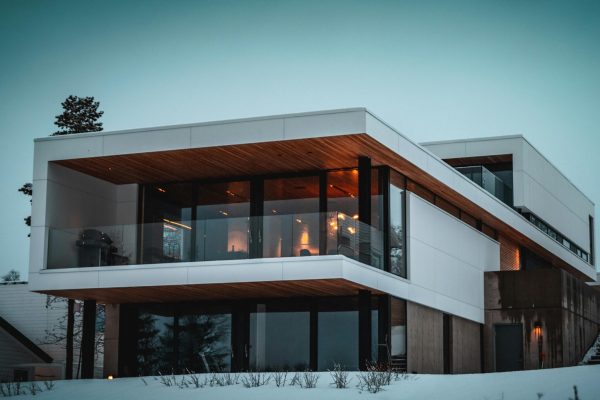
x=274 y=217
x=167 y=229
x=398 y=328
x=223 y=221
x=396 y=225
x=166 y=338
x=291 y=217
x=279 y=340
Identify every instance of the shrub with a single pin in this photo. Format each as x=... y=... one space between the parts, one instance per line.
x=373 y=379
x=255 y=379
x=309 y=379
x=280 y=378
x=340 y=376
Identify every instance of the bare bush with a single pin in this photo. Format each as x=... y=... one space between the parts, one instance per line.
x=575 y=394
x=49 y=385
x=340 y=376
x=34 y=388
x=373 y=379
x=295 y=380
x=280 y=378
x=309 y=379
x=255 y=379
x=167 y=380
x=10 y=389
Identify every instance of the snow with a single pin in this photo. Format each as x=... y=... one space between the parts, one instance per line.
x=553 y=383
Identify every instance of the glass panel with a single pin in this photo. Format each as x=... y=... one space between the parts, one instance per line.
x=377 y=216
x=398 y=327
x=223 y=224
x=279 y=341
x=397 y=264
x=166 y=235
x=342 y=192
x=205 y=342
x=168 y=342
x=291 y=222
x=338 y=339
x=374 y=335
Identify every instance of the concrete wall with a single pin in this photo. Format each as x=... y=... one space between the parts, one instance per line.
x=567 y=308
x=538 y=186
x=447 y=259
x=425 y=339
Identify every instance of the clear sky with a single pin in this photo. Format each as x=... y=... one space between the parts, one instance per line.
x=432 y=69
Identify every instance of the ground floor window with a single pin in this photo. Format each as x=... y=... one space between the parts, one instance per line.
x=293 y=334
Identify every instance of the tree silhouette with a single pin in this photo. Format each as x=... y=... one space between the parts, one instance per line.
x=80 y=115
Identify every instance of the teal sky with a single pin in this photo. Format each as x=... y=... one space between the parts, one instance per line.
x=432 y=69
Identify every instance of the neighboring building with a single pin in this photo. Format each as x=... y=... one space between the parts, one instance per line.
x=25 y=320
x=300 y=241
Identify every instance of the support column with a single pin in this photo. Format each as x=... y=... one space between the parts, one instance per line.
x=364 y=328
x=88 y=339
x=364 y=209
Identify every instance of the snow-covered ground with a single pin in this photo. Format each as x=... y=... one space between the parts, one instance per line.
x=552 y=383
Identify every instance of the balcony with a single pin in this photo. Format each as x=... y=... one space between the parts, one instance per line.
x=169 y=241
x=488 y=181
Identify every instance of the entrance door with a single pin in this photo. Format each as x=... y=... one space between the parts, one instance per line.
x=509 y=347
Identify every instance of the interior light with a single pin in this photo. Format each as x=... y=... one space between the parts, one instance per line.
x=184 y=226
x=161 y=190
x=341 y=216
x=298 y=220
x=355 y=216
x=110 y=377
x=537 y=328
x=351 y=230
x=224 y=212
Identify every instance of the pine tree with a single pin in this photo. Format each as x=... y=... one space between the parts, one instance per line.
x=80 y=115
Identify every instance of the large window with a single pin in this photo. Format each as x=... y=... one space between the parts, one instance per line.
x=167 y=232
x=398 y=328
x=279 y=341
x=223 y=221
x=396 y=229
x=291 y=217
x=338 y=339
x=168 y=339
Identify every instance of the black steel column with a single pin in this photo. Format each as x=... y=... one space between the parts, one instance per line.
x=323 y=213
x=384 y=191
x=256 y=212
x=314 y=336
x=70 y=324
x=240 y=329
x=88 y=339
x=364 y=328
x=364 y=209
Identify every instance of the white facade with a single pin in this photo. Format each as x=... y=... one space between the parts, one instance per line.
x=538 y=186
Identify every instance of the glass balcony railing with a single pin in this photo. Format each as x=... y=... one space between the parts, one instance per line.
x=488 y=181
x=169 y=241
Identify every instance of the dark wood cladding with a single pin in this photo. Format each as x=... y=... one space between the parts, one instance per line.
x=220 y=291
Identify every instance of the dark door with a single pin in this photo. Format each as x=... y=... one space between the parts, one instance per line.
x=509 y=347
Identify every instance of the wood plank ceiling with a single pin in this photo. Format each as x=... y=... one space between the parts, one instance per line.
x=220 y=291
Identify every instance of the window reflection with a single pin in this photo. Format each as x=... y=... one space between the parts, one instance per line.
x=279 y=341
x=169 y=341
x=223 y=223
x=338 y=339
x=291 y=219
x=396 y=232
x=167 y=232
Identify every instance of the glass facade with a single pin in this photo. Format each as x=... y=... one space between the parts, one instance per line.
x=291 y=334
x=396 y=227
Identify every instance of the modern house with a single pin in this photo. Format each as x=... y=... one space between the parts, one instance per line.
x=307 y=240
